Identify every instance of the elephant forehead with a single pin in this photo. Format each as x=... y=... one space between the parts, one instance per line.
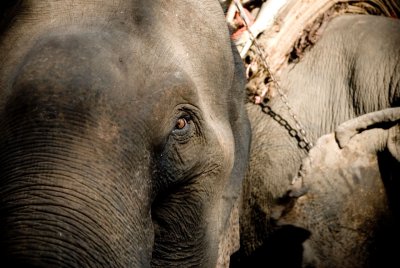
x=134 y=39
x=83 y=74
x=92 y=63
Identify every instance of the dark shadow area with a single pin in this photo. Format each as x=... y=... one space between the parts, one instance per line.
x=282 y=249
x=386 y=248
x=7 y=10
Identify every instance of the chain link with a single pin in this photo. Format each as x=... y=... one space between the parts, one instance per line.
x=299 y=132
x=303 y=143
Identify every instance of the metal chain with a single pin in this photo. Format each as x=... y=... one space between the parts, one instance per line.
x=302 y=142
x=300 y=134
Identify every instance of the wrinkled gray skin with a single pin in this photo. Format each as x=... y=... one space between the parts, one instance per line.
x=123 y=134
x=342 y=195
x=352 y=70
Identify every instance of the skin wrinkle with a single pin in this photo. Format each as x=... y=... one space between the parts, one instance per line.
x=72 y=193
x=89 y=176
x=179 y=110
x=50 y=260
x=384 y=66
x=62 y=173
x=168 y=160
x=394 y=87
x=77 y=248
x=59 y=243
x=76 y=230
x=171 y=215
x=101 y=210
x=83 y=233
x=337 y=91
x=86 y=216
x=68 y=164
x=13 y=124
x=185 y=231
x=178 y=218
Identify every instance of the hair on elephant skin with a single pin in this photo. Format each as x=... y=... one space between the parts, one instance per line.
x=353 y=69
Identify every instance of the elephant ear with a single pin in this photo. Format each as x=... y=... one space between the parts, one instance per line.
x=240 y=125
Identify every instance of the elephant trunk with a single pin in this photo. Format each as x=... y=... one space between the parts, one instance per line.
x=74 y=192
x=59 y=209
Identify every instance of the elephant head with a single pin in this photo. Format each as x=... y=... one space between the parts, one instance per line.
x=345 y=194
x=123 y=136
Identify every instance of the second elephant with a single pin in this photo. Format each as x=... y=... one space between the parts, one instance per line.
x=352 y=70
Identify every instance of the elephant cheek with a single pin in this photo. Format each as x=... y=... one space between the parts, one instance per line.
x=223 y=213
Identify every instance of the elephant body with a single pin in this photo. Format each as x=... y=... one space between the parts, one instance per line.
x=352 y=70
x=123 y=134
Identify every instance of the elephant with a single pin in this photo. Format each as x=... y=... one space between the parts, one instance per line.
x=124 y=137
x=322 y=220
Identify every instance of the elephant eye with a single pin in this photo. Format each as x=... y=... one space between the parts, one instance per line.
x=183 y=126
x=181 y=123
